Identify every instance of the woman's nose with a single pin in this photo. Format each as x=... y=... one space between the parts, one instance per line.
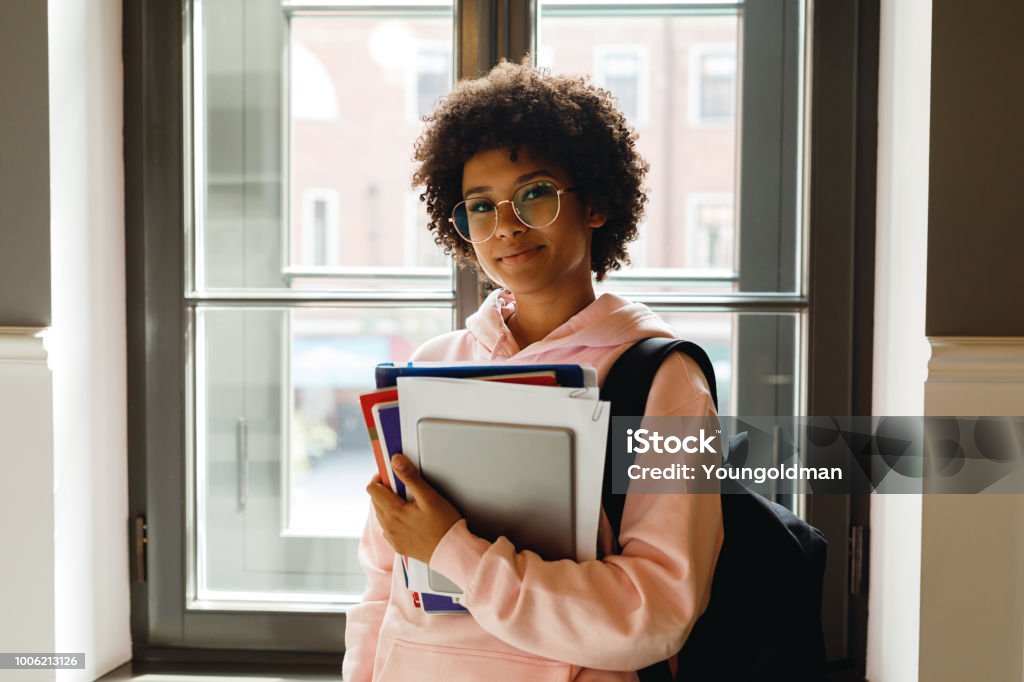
x=509 y=224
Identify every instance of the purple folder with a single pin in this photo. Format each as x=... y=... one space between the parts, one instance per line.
x=391 y=438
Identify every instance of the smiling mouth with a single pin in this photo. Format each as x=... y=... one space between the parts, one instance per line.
x=521 y=256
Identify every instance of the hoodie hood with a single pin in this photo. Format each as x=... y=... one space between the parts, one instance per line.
x=610 y=321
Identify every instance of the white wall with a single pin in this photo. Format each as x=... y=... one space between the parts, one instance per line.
x=26 y=499
x=87 y=343
x=900 y=348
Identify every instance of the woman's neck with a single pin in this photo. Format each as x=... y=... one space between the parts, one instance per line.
x=539 y=314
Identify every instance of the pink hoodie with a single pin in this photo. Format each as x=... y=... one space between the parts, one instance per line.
x=540 y=620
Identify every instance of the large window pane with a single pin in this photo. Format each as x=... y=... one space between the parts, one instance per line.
x=674 y=76
x=282 y=455
x=304 y=131
x=359 y=87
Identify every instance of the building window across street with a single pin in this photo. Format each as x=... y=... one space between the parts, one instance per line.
x=624 y=71
x=712 y=84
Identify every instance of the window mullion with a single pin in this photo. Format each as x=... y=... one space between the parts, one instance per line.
x=477 y=24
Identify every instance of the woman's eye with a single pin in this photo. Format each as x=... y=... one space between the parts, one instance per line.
x=538 y=191
x=479 y=206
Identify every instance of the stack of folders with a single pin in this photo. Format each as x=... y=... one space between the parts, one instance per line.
x=518 y=449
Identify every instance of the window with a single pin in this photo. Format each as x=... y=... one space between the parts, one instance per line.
x=430 y=78
x=276 y=253
x=710 y=230
x=712 y=84
x=319 y=235
x=420 y=249
x=623 y=70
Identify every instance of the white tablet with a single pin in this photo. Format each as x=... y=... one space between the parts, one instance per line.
x=507 y=480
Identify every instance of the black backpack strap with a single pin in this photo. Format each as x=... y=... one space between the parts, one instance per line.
x=629 y=380
x=627 y=386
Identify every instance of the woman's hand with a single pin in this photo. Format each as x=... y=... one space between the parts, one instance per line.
x=412 y=528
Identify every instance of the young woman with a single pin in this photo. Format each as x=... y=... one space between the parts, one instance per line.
x=535 y=180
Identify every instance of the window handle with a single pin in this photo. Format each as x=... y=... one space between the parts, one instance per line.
x=242 y=456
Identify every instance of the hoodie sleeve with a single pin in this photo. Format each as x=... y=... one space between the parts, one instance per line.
x=363 y=621
x=625 y=611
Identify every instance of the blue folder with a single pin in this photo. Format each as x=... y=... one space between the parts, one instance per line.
x=387 y=374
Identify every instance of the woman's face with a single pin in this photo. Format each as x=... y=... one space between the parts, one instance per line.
x=519 y=258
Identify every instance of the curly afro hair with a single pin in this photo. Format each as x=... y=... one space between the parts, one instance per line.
x=566 y=120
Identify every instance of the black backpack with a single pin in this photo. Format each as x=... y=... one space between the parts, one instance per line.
x=763 y=621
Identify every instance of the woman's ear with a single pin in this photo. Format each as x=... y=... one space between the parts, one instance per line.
x=595 y=219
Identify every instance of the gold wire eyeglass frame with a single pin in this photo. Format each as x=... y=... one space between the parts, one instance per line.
x=558 y=210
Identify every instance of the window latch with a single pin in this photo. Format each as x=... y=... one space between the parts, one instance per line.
x=856 y=558
x=139 y=540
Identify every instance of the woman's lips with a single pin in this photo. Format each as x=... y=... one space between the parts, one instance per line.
x=521 y=256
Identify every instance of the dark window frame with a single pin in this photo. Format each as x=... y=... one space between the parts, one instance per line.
x=841 y=193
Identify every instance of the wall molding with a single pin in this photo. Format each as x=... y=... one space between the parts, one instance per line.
x=976 y=359
x=975 y=540
x=21 y=345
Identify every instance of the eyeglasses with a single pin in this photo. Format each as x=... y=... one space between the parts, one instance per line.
x=536 y=205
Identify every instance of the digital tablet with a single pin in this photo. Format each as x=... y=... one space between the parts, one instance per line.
x=507 y=480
